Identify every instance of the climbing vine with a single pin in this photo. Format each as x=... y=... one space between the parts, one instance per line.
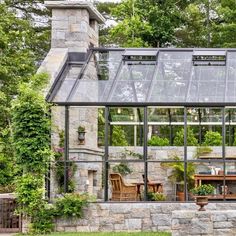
x=31 y=139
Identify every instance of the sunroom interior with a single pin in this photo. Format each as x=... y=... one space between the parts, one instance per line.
x=145 y=124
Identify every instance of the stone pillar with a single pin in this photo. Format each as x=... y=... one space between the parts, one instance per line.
x=74 y=25
x=74 y=30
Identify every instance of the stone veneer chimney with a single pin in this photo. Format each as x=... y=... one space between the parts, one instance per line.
x=74 y=25
x=74 y=30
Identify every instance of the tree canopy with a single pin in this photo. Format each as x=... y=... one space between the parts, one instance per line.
x=152 y=23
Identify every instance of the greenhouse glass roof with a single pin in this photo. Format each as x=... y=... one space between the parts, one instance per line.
x=148 y=77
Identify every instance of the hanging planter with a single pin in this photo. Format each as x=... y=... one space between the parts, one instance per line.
x=81 y=135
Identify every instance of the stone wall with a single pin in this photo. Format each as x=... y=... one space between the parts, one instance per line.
x=211 y=223
x=178 y=218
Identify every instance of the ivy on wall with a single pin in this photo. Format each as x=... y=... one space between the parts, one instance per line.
x=31 y=139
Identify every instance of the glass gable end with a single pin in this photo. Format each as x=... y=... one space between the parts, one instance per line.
x=150 y=77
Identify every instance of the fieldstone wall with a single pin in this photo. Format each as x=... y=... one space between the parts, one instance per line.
x=178 y=218
x=211 y=223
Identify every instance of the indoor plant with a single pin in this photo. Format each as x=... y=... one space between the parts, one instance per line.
x=201 y=194
x=177 y=175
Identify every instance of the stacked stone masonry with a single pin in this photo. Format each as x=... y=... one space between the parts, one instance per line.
x=178 y=218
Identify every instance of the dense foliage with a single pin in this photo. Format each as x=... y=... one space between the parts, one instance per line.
x=213 y=138
x=31 y=127
x=71 y=205
x=179 y=138
x=31 y=138
x=203 y=190
x=145 y=23
x=158 y=141
x=205 y=23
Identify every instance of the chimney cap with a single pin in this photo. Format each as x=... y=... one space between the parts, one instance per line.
x=94 y=14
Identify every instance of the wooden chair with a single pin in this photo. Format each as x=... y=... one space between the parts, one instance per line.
x=122 y=191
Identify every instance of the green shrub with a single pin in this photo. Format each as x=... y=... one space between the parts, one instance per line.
x=71 y=205
x=42 y=220
x=202 y=190
x=179 y=138
x=213 y=138
x=158 y=141
x=122 y=168
x=158 y=197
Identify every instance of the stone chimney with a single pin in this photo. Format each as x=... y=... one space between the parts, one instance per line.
x=74 y=25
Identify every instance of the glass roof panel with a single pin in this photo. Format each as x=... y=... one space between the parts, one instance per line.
x=130 y=91
x=64 y=91
x=104 y=65
x=136 y=71
x=171 y=80
x=92 y=91
x=207 y=84
x=69 y=80
x=110 y=78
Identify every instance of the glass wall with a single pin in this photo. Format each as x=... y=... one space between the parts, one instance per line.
x=146 y=153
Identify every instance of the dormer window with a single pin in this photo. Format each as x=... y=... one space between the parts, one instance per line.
x=209 y=58
x=140 y=55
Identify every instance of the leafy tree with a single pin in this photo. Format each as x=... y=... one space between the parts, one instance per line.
x=199 y=18
x=17 y=63
x=34 y=12
x=143 y=23
x=224 y=31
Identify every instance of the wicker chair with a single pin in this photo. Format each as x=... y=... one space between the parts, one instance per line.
x=122 y=191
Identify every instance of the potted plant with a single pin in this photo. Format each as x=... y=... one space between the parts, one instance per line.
x=81 y=134
x=177 y=175
x=201 y=194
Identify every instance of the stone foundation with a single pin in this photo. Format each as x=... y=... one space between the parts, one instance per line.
x=178 y=218
x=204 y=223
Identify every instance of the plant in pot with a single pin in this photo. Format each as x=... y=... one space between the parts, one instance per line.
x=177 y=175
x=201 y=194
x=81 y=134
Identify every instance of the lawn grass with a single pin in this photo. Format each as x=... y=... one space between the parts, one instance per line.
x=112 y=234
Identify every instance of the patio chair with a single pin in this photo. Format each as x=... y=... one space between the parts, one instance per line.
x=122 y=191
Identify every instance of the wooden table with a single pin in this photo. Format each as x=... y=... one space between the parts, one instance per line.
x=155 y=186
x=201 y=177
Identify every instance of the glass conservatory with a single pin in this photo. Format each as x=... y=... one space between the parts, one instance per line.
x=146 y=124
